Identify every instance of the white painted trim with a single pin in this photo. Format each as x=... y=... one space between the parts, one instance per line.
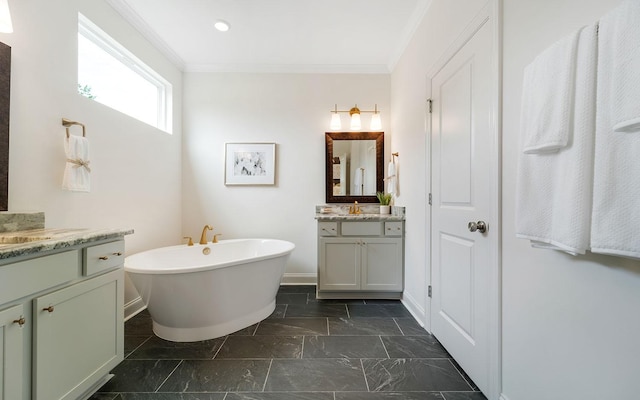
x=490 y=14
x=416 y=310
x=133 y=307
x=503 y=397
x=129 y=15
x=291 y=68
x=410 y=29
x=299 y=279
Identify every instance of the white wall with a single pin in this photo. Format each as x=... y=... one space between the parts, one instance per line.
x=570 y=324
x=444 y=21
x=135 y=168
x=291 y=110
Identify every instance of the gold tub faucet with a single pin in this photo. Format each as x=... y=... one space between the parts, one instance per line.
x=215 y=237
x=203 y=237
x=190 y=240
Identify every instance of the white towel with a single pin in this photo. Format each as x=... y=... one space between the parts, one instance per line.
x=616 y=200
x=358 y=181
x=623 y=36
x=554 y=190
x=391 y=178
x=76 y=171
x=547 y=97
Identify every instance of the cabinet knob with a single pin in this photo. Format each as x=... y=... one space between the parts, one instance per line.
x=117 y=254
x=50 y=309
x=20 y=321
x=103 y=258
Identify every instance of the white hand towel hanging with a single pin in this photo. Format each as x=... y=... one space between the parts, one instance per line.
x=554 y=189
x=622 y=36
x=76 y=171
x=547 y=97
x=616 y=193
x=392 y=178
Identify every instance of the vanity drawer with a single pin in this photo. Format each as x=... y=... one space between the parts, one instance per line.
x=361 y=229
x=31 y=276
x=328 y=228
x=103 y=257
x=393 y=228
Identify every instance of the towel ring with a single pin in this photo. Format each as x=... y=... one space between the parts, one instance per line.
x=67 y=123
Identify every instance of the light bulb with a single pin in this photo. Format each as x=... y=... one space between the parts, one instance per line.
x=336 y=124
x=356 y=125
x=376 y=123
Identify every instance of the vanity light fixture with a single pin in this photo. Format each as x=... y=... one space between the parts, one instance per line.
x=220 y=25
x=356 y=122
x=5 y=17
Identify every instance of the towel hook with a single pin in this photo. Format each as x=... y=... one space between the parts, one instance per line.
x=67 y=123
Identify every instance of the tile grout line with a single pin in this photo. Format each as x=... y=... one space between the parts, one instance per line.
x=137 y=347
x=168 y=376
x=398 y=325
x=461 y=374
x=267 y=376
x=222 y=345
x=364 y=374
x=383 y=346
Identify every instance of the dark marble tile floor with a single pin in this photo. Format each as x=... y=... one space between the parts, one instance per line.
x=308 y=349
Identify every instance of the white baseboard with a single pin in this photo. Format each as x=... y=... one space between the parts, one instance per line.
x=133 y=307
x=416 y=310
x=299 y=279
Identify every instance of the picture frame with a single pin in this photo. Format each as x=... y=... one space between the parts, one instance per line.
x=250 y=164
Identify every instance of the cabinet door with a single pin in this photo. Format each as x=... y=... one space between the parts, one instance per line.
x=12 y=337
x=382 y=264
x=77 y=336
x=339 y=268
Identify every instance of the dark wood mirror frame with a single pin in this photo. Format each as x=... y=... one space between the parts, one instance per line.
x=5 y=98
x=329 y=138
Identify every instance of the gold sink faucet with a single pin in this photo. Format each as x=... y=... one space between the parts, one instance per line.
x=355 y=208
x=190 y=240
x=215 y=237
x=203 y=237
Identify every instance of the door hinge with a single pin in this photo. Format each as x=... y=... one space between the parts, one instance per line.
x=430 y=199
x=430 y=105
x=430 y=292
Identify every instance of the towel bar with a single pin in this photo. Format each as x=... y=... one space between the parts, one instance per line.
x=67 y=123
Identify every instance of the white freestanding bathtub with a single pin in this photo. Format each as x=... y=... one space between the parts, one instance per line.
x=206 y=291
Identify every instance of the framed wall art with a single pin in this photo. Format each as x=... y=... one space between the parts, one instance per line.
x=250 y=164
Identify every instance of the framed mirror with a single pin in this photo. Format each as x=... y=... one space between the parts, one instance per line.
x=354 y=166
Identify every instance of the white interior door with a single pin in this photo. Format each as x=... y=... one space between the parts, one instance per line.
x=463 y=179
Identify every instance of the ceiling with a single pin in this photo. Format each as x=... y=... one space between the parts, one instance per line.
x=317 y=36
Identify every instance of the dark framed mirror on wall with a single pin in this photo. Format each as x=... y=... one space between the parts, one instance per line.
x=5 y=99
x=354 y=166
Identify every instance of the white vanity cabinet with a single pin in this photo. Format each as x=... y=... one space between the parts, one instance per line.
x=61 y=321
x=360 y=259
x=12 y=338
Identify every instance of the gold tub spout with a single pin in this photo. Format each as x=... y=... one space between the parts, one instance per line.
x=203 y=237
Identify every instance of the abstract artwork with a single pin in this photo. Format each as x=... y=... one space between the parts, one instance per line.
x=250 y=163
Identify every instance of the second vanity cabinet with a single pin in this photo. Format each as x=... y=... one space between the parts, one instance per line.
x=360 y=259
x=61 y=321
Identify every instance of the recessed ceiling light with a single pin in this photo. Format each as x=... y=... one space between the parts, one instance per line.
x=221 y=25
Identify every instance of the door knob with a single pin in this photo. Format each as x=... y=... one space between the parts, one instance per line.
x=479 y=226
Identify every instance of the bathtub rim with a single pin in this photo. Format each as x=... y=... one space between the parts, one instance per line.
x=290 y=246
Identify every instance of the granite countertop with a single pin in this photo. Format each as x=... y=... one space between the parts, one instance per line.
x=358 y=217
x=370 y=212
x=19 y=243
